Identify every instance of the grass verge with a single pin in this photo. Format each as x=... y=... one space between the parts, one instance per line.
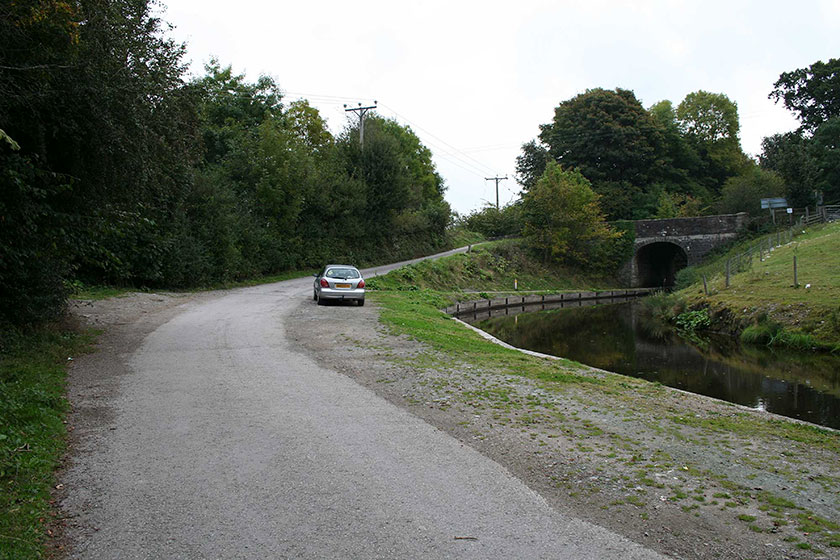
x=765 y=304
x=32 y=433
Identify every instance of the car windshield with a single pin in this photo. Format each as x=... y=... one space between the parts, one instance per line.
x=344 y=273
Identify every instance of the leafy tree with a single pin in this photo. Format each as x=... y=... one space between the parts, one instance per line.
x=709 y=121
x=493 y=222
x=403 y=193
x=812 y=93
x=790 y=155
x=825 y=149
x=709 y=117
x=562 y=217
x=743 y=192
x=530 y=165
x=683 y=169
x=613 y=141
x=308 y=126
x=677 y=205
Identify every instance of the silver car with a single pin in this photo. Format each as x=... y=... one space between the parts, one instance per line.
x=339 y=282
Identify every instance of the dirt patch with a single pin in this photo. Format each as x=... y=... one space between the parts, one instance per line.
x=683 y=474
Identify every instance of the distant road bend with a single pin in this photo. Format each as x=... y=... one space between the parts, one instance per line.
x=224 y=440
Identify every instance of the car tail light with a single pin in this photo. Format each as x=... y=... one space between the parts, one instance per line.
x=361 y=284
x=324 y=283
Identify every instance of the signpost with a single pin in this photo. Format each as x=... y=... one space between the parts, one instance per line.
x=772 y=204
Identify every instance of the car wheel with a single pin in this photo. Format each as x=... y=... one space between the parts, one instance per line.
x=319 y=301
x=360 y=302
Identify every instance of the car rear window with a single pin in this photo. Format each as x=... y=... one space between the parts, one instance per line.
x=342 y=273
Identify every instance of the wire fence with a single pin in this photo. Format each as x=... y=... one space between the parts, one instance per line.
x=719 y=276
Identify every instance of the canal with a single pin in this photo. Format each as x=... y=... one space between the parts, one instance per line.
x=617 y=337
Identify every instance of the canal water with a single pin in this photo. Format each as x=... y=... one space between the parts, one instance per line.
x=617 y=337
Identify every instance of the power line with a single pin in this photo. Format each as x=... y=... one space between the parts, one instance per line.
x=444 y=142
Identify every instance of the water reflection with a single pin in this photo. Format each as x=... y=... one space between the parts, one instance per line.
x=616 y=338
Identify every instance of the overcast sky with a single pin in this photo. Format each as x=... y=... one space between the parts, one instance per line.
x=475 y=79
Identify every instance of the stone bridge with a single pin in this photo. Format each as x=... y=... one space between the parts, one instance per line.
x=663 y=247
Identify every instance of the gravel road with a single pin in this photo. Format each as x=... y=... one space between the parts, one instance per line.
x=202 y=430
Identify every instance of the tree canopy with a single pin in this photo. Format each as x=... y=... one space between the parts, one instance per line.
x=812 y=93
x=116 y=168
x=613 y=141
x=562 y=217
x=808 y=160
x=640 y=159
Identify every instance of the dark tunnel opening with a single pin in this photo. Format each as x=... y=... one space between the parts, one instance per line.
x=657 y=264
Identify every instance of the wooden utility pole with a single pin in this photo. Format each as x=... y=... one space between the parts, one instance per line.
x=362 y=111
x=497 y=179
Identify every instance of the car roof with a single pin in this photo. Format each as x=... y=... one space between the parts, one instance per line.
x=340 y=266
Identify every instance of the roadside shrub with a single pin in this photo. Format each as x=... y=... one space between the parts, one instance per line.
x=686 y=277
x=490 y=222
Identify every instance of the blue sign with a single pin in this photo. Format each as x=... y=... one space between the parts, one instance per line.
x=767 y=203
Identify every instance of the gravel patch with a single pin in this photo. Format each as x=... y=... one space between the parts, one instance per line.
x=659 y=466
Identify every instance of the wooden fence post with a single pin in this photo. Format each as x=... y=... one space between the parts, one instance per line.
x=727 y=272
x=795 y=279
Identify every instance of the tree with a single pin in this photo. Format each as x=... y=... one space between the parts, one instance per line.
x=404 y=210
x=308 y=125
x=493 y=222
x=683 y=169
x=812 y=93
x=791 y=157
x=709 y=117
x=562 y=217
x=709 y=121
x=92 y=93
x=530 y=165
x=677 y=205
x=613 y=141
x=825 y=149
x=743 y=192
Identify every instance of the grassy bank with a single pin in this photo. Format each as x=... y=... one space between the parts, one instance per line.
x=32 y=433
x=763 y=302
x=490 y=267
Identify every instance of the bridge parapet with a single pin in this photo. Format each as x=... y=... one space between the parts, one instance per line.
x=701 y=225
x=664 y=246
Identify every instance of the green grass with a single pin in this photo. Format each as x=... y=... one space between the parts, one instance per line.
x=417 y=313
x=32 y=433
x=766 y=298
x=490 y=267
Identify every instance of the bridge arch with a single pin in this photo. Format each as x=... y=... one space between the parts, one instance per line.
x=656 y=263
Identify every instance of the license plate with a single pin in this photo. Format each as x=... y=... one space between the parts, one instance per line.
x=342 y=285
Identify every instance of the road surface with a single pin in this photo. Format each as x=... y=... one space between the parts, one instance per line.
x=217 y=438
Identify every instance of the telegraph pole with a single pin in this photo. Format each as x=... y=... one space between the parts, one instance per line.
x=362 y=111
x=497 y=179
